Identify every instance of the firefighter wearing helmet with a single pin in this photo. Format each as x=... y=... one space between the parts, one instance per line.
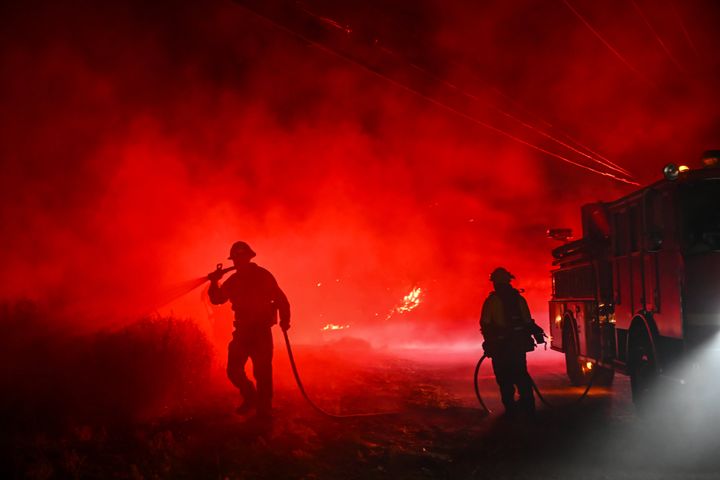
x=509 y=333
x=256 y=300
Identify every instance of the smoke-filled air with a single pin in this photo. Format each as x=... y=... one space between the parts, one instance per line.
x=381 y=157
x=140 y=140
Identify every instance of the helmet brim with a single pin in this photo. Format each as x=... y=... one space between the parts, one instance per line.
x=249 y=254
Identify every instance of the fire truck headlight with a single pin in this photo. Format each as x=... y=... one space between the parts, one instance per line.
x=683 y=168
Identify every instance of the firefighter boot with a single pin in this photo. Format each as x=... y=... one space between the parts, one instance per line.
x=249 y=401
x=526 y=402
x=526 y=406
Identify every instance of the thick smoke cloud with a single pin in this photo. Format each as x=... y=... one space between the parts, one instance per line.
x=138 y=140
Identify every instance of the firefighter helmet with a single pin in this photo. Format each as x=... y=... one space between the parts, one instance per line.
x=501 y=275
x=241 y=250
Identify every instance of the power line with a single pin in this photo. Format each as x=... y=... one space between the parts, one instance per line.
x=660 y=41
x=543 y=133
x=376 y=71
x=560 y=132
x=608 y=45
x=591 y=156
x=685 y=31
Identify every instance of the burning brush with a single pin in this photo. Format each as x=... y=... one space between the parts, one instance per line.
x=409 y=303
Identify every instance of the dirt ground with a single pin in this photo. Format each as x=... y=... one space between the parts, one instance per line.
x=438 y=430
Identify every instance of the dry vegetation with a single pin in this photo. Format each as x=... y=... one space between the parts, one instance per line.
x=60 y=389
x=146 y=402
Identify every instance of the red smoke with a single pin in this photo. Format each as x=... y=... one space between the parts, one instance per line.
x=138 y=141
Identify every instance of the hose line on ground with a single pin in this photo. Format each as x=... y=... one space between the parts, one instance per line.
x=477 y=386
x=535 y=388
x=575 y=401
x=313 y=404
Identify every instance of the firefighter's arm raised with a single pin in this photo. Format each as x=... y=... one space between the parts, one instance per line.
x=217 y=294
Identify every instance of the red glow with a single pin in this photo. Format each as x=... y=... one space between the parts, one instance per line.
x=139 y=142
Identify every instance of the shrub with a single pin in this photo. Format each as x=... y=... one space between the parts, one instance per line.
x=151 y=367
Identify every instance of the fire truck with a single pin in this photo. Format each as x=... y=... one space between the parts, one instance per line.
x=641 y=288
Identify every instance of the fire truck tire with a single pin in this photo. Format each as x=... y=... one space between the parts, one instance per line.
x=642 y=366
x=572 y=361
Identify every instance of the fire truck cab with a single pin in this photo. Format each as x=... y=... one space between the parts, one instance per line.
x=641 y=288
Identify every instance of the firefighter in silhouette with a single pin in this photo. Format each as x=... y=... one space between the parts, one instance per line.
x=510 y=333
x=256 y=300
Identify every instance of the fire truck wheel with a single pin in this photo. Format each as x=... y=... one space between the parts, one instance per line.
x=643 y=369
x=572 y=362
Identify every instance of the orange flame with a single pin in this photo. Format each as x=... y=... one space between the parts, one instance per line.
x=331 y=326
x=409 y=302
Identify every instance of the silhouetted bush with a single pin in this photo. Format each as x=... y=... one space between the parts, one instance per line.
x=48 y=376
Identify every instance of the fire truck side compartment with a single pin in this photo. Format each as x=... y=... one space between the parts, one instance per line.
x=634 y=268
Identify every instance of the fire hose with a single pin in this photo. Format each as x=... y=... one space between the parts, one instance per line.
x=221 y=271
x=218 y=273
x=487 y=410
x=317 y=408
x=535 y=388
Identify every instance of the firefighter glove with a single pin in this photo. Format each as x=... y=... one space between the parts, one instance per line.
x=215 y=276
x=489 y=348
